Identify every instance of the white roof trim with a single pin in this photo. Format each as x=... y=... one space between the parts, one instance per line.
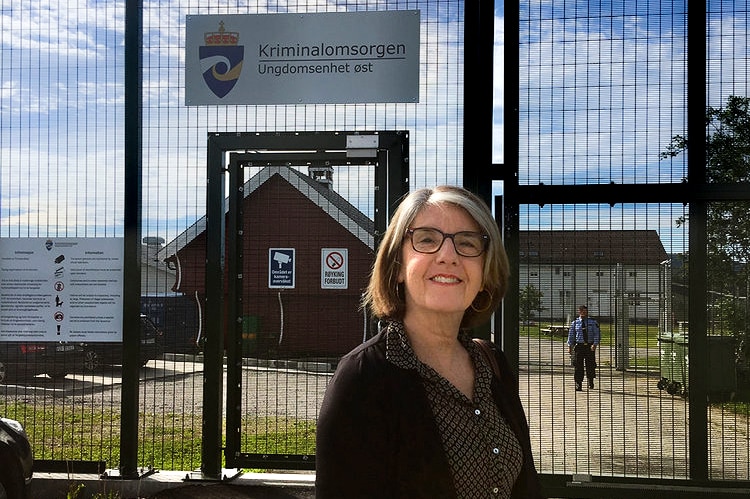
x=256 y=181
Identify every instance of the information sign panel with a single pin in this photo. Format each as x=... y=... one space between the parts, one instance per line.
x=61 y=289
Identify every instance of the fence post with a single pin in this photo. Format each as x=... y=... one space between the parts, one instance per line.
x=132 y=251
x=213 y=349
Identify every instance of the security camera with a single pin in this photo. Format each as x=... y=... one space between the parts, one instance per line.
x=282 y=258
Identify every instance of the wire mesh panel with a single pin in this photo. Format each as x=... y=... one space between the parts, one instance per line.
x=603 y=101
x=603 y=90
x=61 y=175
x=61 y=171
x=726 y=355
x=283 y=390
x=297 y=327
x=615 y=260
x=727 y=162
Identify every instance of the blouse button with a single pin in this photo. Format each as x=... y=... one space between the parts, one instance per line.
x=495 y=490
x=477 y=412
x=496 y=451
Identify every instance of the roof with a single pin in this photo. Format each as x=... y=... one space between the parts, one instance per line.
x=338 y=208
x=591 y=247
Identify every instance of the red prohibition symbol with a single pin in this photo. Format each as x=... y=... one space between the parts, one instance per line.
x=334 y=260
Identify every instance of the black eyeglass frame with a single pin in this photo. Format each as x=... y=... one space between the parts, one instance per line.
x=452 y=237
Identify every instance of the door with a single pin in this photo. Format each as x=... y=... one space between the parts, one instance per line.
x=304 y=215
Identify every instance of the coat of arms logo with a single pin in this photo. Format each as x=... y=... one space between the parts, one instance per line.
x=223 y=58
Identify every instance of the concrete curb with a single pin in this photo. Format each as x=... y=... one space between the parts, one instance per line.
x=57 y=485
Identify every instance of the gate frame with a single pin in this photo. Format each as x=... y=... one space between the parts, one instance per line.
x=391 y=184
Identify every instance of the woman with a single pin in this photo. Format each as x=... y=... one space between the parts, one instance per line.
x=416 y=412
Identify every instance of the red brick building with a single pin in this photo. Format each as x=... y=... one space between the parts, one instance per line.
x=284 y=208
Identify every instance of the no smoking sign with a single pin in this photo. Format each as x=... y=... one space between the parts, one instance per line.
x=334 y=268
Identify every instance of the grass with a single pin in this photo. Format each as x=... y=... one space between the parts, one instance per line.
x=278 y=436
x=742 y=408
x=167 y=441
x=641 y=335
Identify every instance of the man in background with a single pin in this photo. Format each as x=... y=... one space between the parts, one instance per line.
x=583 y=338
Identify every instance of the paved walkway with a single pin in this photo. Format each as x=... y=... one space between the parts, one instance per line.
x=624 y=426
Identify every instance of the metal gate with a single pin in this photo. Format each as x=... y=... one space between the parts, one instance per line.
x=286 y=262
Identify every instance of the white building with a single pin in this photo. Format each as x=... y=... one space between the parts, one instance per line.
x=615 y=273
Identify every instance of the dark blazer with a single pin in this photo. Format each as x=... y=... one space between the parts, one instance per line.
x=377 y=438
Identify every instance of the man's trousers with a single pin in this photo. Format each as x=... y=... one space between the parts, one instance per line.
x=584 y=357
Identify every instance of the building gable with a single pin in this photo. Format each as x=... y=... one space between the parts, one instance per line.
x=337 y=208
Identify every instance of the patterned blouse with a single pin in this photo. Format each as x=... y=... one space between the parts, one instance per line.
x=484 y=454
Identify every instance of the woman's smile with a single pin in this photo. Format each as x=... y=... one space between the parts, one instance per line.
x=445 y=279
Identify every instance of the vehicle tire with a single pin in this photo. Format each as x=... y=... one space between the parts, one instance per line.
x=11 y=480
x=91 y=361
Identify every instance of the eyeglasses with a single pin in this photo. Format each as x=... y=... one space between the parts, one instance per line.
x=429 y=240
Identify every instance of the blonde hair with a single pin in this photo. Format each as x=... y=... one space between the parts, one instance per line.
x=383 y=296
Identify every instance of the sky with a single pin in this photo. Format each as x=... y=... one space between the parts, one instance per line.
x=603 y=91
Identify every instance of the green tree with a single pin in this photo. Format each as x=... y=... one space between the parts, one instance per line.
x=728 y=224
x=727 y=162
x=530 y=301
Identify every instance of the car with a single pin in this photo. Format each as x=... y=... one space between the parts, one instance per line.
x=16 y=460
x=99 y=354
x=22 y=360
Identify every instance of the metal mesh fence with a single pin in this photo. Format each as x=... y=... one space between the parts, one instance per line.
x=603 y=95
x=61 y=175
x=615 y=261
x=603 y=102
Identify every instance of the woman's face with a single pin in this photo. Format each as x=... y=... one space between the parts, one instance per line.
x=443 y=282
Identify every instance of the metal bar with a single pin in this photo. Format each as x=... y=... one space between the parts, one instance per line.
x=277 y=461
x=698 y=290
x=235 y=238
x=132 y=227
x=585 y=486
x=213 y=347
x=391 y=178
x=380 y=217
x=629 y=193
x=508 y=173
x=302 y=158
x=507 y=217
x=479 y=46
x=397 y=147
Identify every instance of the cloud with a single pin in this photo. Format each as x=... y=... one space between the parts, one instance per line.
x=600 y=97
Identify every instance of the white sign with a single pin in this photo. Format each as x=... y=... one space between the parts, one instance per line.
x=334 y=264
x=314 y=58
x=281 y=268
x=61 y=289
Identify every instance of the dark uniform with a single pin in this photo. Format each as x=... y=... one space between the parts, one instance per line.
x=583 y=339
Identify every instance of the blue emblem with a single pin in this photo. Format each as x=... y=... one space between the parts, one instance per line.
x=223 y=59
